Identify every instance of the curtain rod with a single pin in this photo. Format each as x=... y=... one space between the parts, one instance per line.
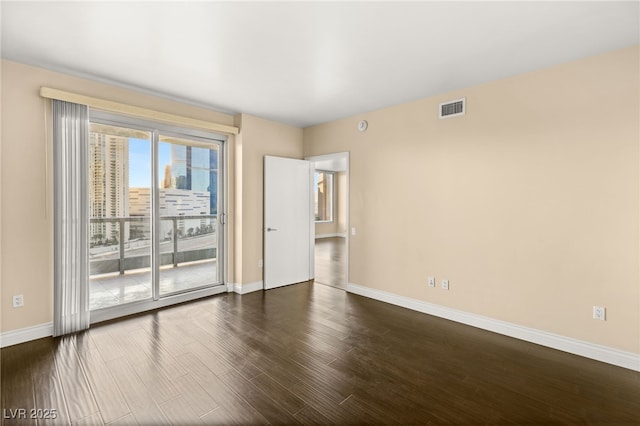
x=61 y=95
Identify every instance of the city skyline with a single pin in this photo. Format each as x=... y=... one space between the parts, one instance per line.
x=120 y=169
x=203 y=162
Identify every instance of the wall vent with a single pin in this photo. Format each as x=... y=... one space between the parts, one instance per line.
x=452 y=108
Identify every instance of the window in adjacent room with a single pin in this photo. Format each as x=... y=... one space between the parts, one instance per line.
x=323 y=189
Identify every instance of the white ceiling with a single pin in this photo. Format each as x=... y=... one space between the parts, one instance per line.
x=304 y=63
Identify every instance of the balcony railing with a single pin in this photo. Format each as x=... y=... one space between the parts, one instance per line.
x=119 y=254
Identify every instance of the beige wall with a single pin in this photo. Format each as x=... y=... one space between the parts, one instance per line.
x=26 y=187
x=258 y=137
x=324 y=228
x=528 y=204
x=341 y=200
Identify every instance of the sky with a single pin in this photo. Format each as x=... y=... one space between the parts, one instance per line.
x=140 y=162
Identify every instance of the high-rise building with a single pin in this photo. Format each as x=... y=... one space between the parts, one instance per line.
x=195 y=169
x=173 y=203
x=108 y=185
x=167 y=176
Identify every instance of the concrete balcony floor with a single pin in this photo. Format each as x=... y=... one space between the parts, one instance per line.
x=114 y=289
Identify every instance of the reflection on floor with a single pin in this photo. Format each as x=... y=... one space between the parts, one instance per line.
x=306 y=354
x=330 y=261
x=114 y=289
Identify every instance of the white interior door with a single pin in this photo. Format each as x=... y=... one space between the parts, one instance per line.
x=288 y=221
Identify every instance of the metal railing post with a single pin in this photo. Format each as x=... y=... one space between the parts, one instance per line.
x=121 y=238
x=175 y=242
x=104 y=260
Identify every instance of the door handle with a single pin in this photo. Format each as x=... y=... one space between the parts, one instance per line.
x=271 y=229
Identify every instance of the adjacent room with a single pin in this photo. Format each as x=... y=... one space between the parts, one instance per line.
x=320 y=212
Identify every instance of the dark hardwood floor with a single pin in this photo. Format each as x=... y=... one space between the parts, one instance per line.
x=330 y=261
x=309 y=354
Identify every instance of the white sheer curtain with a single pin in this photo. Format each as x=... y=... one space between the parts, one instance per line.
x=71 y=275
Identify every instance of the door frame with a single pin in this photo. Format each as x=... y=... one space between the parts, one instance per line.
x=339 y=156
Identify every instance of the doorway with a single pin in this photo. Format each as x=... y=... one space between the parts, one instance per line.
x=331 y=212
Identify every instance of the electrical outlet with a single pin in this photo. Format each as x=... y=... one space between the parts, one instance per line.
x=600 y=313
x=18 y=300
x=432 y=281
x=445 y=284
x=260 y=263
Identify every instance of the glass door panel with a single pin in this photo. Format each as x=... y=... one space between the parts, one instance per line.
x=188 y=182
x=119 y=215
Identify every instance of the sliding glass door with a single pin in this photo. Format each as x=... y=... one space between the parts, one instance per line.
x=188 y=202
x=156 y=215
x=119 y=231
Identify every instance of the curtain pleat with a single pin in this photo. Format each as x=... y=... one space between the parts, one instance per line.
x=71 y=274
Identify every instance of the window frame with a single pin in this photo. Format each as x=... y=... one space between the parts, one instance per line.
x=332 y=195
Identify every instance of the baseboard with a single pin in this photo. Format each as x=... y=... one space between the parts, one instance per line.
x=248 y=287
x=337 y=234
x=577 y=347
x=27 y=334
